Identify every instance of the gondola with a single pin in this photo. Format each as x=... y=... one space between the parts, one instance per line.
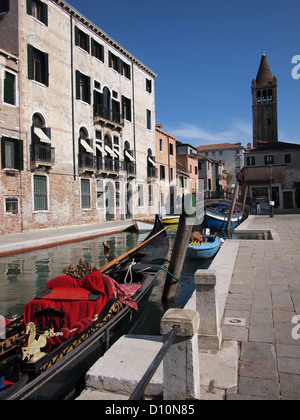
x=46 y=353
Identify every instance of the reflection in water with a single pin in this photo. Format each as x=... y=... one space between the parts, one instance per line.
x=23 y=276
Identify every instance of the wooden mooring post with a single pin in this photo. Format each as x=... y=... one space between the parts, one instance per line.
x=182 y=239
x=236 y=191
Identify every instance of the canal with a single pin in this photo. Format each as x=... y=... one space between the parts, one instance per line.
x=23 y=276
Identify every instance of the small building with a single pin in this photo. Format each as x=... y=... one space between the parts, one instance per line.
x=166 y=168
x=187 y=162
x=272 y=173
x=214 y=179
x=231 y=154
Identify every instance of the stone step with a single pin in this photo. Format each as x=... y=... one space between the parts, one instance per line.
x=121 y=368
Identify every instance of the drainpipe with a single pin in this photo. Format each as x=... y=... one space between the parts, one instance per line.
x=72 y=96
x=133 y=111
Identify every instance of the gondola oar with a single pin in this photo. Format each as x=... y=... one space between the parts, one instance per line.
x=122 y=257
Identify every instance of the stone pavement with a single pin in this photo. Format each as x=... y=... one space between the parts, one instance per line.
x=263 y=299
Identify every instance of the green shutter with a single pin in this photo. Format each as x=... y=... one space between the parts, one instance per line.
x=29 y=7
x=92 y=46
x=102 y=53
x=87 y=43
x=9 y=88
x=30 y=61
x=46 y=69
x=3 y=152
x=45 y=14
x=76 y=36
x=77 y=84
x=109 y=58
x=88 y=81
x=19 y=160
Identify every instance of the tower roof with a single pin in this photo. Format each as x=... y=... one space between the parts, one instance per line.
x=264 y=75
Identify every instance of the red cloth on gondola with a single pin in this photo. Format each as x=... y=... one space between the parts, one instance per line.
x=81 y=308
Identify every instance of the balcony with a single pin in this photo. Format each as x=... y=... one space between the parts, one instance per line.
x=86 y=162
x=151 y=172
x=130 y=168
x=108 y=117
x=42 y=155
x=114 y=167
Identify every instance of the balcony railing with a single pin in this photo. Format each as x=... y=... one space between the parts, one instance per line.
x=108 y=114
x=87 y=161
x=43 y=153
x=151 y=172
x=130 y=168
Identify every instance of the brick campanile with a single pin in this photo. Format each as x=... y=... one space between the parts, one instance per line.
x=264 y=105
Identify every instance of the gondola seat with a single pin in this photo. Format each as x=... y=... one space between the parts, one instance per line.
x=80 y=298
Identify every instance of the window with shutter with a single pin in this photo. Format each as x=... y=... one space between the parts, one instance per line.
x=97 y=50
x=38 y=65
x=39 y=10
x=82 y=39
x=12 y=153
x=40 y=193
x=4 y=6
x=126 y=108
x=85 y=194
x=9 y=91
x=83 y=87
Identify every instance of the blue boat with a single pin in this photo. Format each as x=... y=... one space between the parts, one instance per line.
x=204 y=250
x=217 y=218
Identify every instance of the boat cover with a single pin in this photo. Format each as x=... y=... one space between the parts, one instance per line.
x=74 y=295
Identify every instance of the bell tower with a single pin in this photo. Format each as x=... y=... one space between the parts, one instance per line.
x=264 y=105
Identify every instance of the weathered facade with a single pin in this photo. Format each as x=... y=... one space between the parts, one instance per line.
x=77 y=121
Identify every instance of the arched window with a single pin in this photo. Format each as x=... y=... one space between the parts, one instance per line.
x=259 y=96
x=270 y=95
x=264 y=95
x=85 y=144
x=40 y=133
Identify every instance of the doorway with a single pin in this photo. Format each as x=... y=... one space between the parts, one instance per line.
x=288 y=200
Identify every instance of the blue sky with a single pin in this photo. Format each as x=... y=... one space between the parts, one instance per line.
x=206 y=54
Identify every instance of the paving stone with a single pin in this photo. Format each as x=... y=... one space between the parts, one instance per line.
x=289 y=365
x=258 y=370
x=290 y=385
x=259 y=352
x=264 y=388
x=283 y=333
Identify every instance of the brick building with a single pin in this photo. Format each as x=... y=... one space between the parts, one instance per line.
x=166 y=167
x=77 y=121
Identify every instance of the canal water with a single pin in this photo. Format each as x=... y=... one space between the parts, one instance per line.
x=23 y=276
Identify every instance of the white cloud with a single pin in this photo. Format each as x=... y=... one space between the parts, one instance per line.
x=239 y=131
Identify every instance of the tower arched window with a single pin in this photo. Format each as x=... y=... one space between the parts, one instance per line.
x=270 y=95
x=259 y=98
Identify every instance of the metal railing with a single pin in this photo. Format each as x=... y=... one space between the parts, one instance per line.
x=139 y=392
x=42 y=153
x=108 y=114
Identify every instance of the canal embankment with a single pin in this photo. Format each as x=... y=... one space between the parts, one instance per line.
x=257 y=304
x=27 y=241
